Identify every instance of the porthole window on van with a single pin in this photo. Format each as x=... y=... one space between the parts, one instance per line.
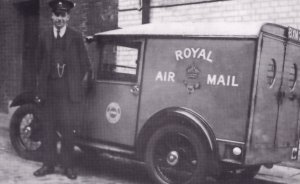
x=271 y=72
x=119 y=62
x=293 y=73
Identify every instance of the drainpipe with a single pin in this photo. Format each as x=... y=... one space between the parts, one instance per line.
x=145 y=6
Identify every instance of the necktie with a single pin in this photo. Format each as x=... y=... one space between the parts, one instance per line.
x=57 y=33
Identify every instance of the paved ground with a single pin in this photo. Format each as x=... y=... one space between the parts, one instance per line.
x=107 y=169
x=17 y=170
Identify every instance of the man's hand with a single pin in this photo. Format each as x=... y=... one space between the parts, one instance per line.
x=85 y=82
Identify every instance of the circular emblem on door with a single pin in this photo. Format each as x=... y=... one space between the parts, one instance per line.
x=113 y=112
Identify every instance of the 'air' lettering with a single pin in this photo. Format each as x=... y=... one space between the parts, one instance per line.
x=165 y=76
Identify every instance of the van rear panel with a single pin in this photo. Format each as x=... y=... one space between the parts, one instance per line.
x=274 y=130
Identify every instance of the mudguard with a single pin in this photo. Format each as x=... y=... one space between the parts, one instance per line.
x=23 y=98
x=194 y=120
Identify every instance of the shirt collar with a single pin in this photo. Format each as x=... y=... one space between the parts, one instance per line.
x=61 y=32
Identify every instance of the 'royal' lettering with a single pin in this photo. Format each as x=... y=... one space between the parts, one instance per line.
x=193 y=53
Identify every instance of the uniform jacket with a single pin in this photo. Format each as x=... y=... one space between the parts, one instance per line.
x=75 y=56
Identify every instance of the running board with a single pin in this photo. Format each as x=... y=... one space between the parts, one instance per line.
x=105 y=147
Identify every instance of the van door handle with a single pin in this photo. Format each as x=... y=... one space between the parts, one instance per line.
x=135 y=90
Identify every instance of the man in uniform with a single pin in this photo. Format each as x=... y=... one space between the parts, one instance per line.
x=63 y=67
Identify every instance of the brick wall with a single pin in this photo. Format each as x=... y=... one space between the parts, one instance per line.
x=286 y=12
x=10 y=52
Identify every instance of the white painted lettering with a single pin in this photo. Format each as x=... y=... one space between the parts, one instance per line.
x=211 y=79
x=208 y=57
x=171 y=77
x=187 y=53
x=195 y=51
x=202 y=54
x=221 y=80
x=165 y=76
x=159 y=76
x=178 y=54
x=228 y=80
x=233 y=82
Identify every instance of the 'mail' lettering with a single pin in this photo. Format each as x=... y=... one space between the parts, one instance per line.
x=221 y=80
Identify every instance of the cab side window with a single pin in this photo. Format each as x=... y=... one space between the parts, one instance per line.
x=119 y=62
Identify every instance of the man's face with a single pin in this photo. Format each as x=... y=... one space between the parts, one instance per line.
x=60 y=19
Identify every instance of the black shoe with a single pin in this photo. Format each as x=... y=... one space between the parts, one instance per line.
x=70 y=173
x=44 y=170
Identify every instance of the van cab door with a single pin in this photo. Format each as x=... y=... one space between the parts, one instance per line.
x=112 y=105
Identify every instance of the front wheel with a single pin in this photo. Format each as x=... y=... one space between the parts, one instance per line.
x=25 y=132
x=176 y=154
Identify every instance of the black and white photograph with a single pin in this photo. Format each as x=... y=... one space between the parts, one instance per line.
x=149 y=91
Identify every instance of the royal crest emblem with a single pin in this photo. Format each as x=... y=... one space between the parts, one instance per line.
x=192 y=78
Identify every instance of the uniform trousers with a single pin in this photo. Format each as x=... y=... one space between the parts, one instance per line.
x=59 y=114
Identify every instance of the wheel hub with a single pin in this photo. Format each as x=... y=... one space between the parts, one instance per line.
x=173 y=158
x=27 y=131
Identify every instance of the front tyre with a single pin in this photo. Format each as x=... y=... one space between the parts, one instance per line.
x=23 y=132
x=176 y=154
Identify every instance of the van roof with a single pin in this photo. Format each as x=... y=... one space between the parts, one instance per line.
x=207 y=29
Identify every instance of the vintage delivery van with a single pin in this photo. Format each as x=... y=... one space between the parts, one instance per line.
x=188 y=99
